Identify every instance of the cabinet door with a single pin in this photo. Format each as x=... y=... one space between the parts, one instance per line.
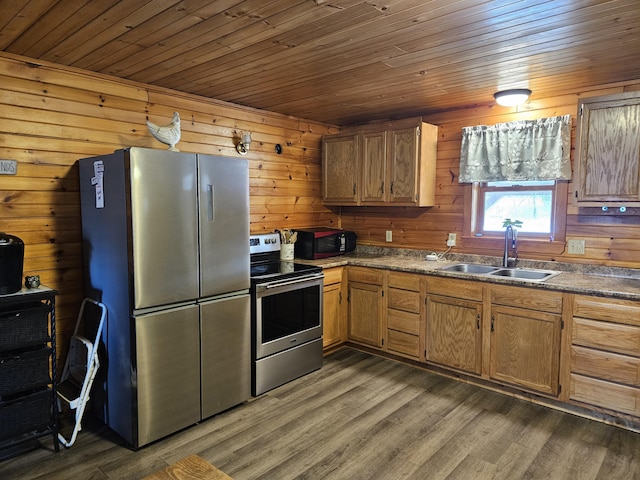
x=374 y=168
x=608 y=153
x=340 y=163
x=403 y=162
x=365 y=313
x=454 y=333
x=334 y=321
x=525 y=348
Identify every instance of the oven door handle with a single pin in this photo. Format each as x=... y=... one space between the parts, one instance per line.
x=284 y=283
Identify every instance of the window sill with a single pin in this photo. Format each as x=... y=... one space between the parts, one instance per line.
x=495 y=246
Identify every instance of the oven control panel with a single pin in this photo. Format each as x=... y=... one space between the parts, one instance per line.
x=264 y=243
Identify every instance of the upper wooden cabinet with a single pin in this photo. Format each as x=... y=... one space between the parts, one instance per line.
x=374 y=167
x=608 y=151
x=340 y=168
x=391 y=163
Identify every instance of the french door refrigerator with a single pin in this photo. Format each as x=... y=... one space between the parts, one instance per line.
x=165 y=239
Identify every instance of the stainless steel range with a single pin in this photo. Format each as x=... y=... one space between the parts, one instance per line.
x=286 y=305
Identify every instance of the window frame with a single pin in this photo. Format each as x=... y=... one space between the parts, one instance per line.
x=527 y=242
x=483 y=188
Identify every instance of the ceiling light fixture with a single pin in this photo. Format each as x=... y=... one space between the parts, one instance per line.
x=513 y=97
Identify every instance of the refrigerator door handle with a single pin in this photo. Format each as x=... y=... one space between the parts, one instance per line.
x=210 y=216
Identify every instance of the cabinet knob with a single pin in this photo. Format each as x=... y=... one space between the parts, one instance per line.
x=493 y=319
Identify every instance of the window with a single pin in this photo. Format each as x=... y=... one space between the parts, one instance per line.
x=530 y=202
x=539 y=205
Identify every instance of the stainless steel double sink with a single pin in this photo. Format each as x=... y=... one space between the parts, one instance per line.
x=525 y=274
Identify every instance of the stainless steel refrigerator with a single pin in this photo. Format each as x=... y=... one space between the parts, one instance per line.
x=165 y=238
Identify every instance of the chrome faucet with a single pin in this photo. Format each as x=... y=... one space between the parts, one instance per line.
x=513 y=246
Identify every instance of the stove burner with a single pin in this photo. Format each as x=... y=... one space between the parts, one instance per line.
x=281 y=270
x=266 y=264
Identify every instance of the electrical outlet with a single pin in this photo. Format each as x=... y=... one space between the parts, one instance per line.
x=451 y=241
x=389 y=236
x=576 y=247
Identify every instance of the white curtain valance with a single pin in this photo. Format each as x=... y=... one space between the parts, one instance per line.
x=520 y=150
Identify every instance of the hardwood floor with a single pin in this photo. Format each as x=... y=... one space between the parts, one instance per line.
x=362 y=417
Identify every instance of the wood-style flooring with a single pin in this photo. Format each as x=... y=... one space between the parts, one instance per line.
x=362 y=417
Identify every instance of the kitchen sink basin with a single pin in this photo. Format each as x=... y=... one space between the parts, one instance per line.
x=525 y=274
x=469 y=268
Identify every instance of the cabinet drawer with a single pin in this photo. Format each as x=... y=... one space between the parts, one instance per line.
x=455 y=288
x=24 y=327
x=404 y=281
x=529 y=298
x=620 y=398
x=608 y=309
x=403 y=322
x=403 y=343
x=22 y=371
x=612 y=337
x=25 y=414
x=606 y=365
x=366 y=275
x=333 y=275
x=404 y=300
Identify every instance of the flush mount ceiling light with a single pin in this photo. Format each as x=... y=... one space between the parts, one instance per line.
x=513 y=97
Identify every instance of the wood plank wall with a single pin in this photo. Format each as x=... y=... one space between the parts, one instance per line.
x=611 y=239
x=50 y=116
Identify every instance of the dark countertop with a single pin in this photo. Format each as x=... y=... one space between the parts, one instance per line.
x=623 y=283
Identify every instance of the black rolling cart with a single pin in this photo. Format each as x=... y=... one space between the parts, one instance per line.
x=27 y=369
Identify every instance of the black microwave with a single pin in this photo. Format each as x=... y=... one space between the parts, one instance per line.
x=322 y=242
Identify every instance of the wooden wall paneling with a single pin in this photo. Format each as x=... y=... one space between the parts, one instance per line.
x=610 y=239
x=51 y=116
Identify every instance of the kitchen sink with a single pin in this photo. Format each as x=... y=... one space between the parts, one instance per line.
x=525 y=274
x=469 y=268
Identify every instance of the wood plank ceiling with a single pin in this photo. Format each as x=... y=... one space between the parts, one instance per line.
x=337 y=61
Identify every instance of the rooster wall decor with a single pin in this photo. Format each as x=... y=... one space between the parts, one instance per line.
x=169 y=134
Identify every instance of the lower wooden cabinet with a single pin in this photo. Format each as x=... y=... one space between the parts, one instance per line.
x=386 y=311
x=454 y=324
x=405 y=300
x=525 y=338
x=454 y=335
x=605 y=354
x=334 y=308
x=366 y=306
x=578 y=349
x=521 y=344
x=525 y=348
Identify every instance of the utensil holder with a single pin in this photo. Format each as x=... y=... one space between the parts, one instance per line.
x=286 y=251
